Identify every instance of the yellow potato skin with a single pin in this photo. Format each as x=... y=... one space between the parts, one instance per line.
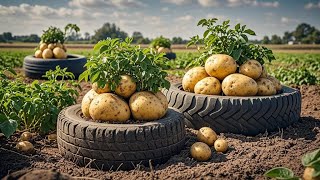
x=163 y=99
x=275 y=82
x=38 y=54
x=105 y=89
x=147 y=106
x=109 y=107
x=221 y=145
x=43 y=46
x=25 y=146
x=264 y=73
x=47 y=54
x=163 y=50
x=220 y=66
x=126 y=86
x=86 y=101
x=207 y=135
x=208 y=86
x=200 y=151
x=307 y=174
x=239 y=85
x=265 y=87
x=51 y=46
x=251 y=68
x=193 y=76
x=59 y=53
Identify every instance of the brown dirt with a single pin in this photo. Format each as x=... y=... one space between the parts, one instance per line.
x=247 y=157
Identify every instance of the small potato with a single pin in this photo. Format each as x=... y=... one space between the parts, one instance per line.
x=43 y=46
x=59 y=53
x=275 y=82
x=163 y=50
x=239 y=85
x=109 y=107
x=25 y=146
x=308 y=172
x=147 y=106
x=86 y=101
x=200 y=151
x=251 y=68
x=58 y=45
x=221 y=145
x=265 y=87
x=264 y=73
x=207 y=135
x=126 y=87
x=26 y=136
x=209 y=86
x=52 y=137
x=47 y=54
x=193 y=76
x=51 y=46
x=105 y=89
x=220 y=66
x=38 y=54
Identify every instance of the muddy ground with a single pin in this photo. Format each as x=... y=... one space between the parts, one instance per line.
x=247 y=157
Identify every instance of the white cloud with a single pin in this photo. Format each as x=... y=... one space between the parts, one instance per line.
x=106 y=3
x=184 y=18
x=208 y=3
x=312 y=5
x=286 y=20
x=178 y=2
x=235 y=3
x=220 y=17
x=165 y=9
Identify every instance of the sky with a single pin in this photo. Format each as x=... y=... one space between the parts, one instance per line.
x=170 y=18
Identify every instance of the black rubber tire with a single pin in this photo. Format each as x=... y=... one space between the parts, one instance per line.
x=119 y=146
x=36 y=67
x=170 y=55
x=239 y=115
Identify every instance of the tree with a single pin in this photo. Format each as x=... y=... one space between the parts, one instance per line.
x=108 y=31
x=137 y=37
x=275 y=39
x=286 y=37
x=7 y=36
x=265 y=40
x=86 y=36
x=302 y=31
x=2 y=39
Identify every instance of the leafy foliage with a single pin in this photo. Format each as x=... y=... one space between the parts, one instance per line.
x=297 y=76
x=221 y=39
x=34 y=106
x=55 y=35
x=113 y=58
x=11 y=59
x=281 y=173
x=161 y=42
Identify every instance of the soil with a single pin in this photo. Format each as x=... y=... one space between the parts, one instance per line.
x=246 y=158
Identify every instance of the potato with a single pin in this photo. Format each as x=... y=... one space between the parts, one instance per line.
x=25 y=146
x=109 y=107
x=51 y=46
x=239 y=85
x=64 y=48
x=251 y=68
x=59 y=53
x=209 y=86
x=126 y=87
x=221 y=145
x=265 y=87
x=275 y=82
x=200 y=151
x=38 y=54
x=47 y=54
x=52 y=137
x=86 y=101
x=148 y=106
x=207 y=135
x=220 y=66
x=264 y=73
x=99 y=90
x=58 y=45
x=163 y=50
x=26 y=136
x=43 y=46
x=308 y=172
x=193 y=76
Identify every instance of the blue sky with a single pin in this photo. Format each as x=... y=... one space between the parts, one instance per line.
x=157 y=17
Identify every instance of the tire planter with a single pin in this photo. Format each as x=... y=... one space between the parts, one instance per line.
x=239 y=115
x=36 y=67
x=170 y=55
x=119 y=146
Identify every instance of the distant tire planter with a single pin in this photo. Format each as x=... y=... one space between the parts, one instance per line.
x=119 y=146
x=170 y=55
x=36 y=67
x=239 y=115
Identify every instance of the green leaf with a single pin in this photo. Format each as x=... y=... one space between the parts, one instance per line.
x=316 y=171
x=250 y=32
x=8 y=127
x=237 y=27
x=310 y=158
x=201 y=22
x=281 y=173
x=236 y=54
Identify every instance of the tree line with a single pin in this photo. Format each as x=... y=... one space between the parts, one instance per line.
x=303 y=34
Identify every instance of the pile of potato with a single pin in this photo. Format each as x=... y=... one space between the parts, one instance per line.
x=104 y=105
x=201 y=151
x=163 y=50
x=52 y=50
x=221 y=74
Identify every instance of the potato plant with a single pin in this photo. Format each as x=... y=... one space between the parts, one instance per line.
x=161 y=42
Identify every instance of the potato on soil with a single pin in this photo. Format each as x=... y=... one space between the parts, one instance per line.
x=148 y=106
x=51 y=46
x=192 y=77
x=275 y=82
x=221 y=145
x=52 y=137
x=207 y=135
x=163 y=50
x=200 y=151
x=59 y=53
x=109 y=107
x=265 y=87
x=264 y=73
x=25 y=146
x=26 y=136
x=220 y=66
x=43 y=46
x=209 y=86
x=239 y=85
x=86 y=101
x=307 y=174
x=251 y=68
x=126 y=87
x=47 y=54
x=97 y=89
x=38 y=54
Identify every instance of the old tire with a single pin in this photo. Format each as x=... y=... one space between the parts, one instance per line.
x=37 y=67
x=239 y=115
x=119 y=146
x=170 y=55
